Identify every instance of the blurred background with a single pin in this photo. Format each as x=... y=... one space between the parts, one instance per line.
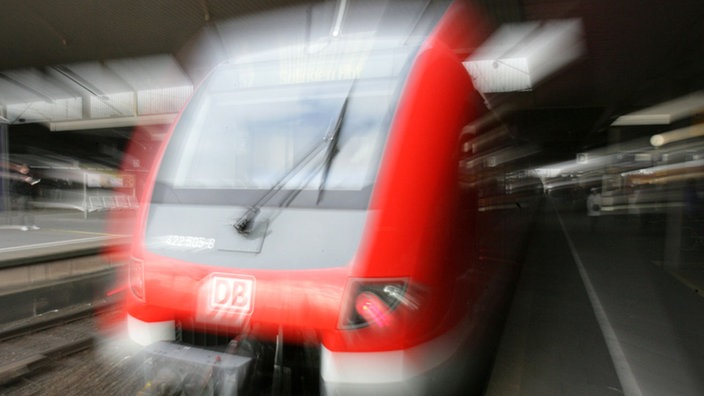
x=602 y=102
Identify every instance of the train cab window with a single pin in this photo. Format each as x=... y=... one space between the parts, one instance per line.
x=237 y=140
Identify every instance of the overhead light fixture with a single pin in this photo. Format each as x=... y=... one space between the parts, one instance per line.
x=677 y=135
x=116 y=122
x=518 y=56
x=664 y=113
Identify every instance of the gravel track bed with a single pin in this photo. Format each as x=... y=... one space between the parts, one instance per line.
x=110 y=367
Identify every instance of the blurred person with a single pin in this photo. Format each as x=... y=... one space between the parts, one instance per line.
x=593 y=207
x=23 y=189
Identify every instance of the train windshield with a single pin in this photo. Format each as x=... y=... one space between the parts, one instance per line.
x=255 y=128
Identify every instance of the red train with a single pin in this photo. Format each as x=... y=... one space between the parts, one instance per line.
x=308 y=215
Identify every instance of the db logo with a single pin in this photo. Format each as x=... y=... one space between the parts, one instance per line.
x=232 y=293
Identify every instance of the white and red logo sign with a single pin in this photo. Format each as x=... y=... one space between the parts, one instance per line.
x=231 y=293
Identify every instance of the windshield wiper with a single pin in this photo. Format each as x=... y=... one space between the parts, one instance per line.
x=244 y=223
x=332 y=139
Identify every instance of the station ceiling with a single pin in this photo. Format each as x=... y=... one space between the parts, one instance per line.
x=637 y=53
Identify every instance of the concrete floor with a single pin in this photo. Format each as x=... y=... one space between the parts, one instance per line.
x=603 y=311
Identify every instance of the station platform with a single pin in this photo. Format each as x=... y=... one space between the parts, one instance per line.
x=60 y=264
x=59 y=233
x=602 y=311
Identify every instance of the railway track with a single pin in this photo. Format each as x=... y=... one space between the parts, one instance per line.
x=67 y=352
x=32 y=345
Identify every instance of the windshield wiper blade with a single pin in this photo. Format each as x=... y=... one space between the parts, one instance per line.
x=244 y=223
x=332 y=139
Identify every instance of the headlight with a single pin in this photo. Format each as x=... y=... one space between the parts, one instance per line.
x=373 y=302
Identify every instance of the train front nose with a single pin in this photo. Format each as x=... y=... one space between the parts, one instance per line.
x=306 y=302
